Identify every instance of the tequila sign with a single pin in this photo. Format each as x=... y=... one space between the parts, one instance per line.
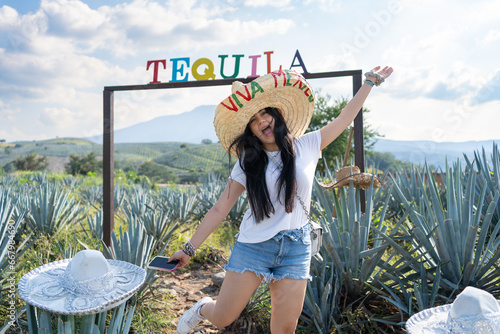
x=204 y=68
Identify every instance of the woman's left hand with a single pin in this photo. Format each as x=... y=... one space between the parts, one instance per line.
x=384 y=73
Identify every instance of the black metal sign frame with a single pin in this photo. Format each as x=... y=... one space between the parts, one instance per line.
x=108 y=132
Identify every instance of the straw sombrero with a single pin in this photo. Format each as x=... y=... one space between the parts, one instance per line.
x=285 y=90
x=474 y=311
x=352 y=173
x=86 y=284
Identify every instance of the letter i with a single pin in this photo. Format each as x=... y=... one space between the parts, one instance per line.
x=268 y=54
x=254 y=66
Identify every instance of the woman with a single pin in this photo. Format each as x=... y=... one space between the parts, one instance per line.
x=262 y=123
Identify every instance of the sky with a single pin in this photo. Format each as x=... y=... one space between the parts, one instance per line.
x=56 y=56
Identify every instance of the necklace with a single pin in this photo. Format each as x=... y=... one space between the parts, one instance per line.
x=273 y=156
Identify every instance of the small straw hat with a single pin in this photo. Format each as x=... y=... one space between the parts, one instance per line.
x=285 y=90
x=352 y=173
x=86 y=284
x=474 y=311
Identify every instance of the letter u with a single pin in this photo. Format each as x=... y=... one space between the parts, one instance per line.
x=237 y=59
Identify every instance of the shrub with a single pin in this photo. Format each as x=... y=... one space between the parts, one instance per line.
x=157 y=173
x=31 y=162
x=82 y=165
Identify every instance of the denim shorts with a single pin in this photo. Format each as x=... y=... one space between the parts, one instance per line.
x=286 y=255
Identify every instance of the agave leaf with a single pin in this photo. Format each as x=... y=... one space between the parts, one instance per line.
x=396 y=301
x=346 y=246
x=470 y=244
x=401 y=250
x=484 y=232
x=88 y=323
x=352 y=207
x=355 y=249
x=324 y=199
x=489 y=265
x=371 y=251
x=101 y=321
x=128 y=322
x=44 y=325
x=425 y=240
x=492 y=245
x=63 y=327
x=435 y=288
x=468 y=271
x=32 y=323
x=116 y=319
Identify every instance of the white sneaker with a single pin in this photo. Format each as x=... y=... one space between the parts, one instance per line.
x=192 y=317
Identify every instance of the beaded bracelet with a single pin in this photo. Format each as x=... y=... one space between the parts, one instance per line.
x=189 y=249
x=369 y=83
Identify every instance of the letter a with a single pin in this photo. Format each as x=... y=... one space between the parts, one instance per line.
x=301 y=63
x=255 y=88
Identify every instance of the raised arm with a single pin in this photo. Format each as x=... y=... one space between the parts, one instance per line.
x=213 y=218
x=333 y=129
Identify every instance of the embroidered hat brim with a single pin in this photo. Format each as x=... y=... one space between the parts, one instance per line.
x=46 y=288
x=435 y=321
x=285 y=90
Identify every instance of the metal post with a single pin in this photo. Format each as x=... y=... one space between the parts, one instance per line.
x=108 y=203
x=359 y=151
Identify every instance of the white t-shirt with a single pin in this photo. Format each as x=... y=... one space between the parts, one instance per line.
x=307 y=153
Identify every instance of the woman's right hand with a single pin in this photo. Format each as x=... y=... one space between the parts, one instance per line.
x=183 y=257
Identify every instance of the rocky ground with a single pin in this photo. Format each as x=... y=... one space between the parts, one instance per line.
x=189 y=286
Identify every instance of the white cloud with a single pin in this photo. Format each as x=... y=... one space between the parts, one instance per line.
x=141 y=25
x=182 y=26
x=491 y=37
x=13 y=134
x=6 y=113
x=52 y=77
x=57 y=117
x=73 y=18
x=273 y=3
x=325 y=5
x=8 y=16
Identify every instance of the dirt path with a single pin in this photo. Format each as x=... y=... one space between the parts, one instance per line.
x=190 y=285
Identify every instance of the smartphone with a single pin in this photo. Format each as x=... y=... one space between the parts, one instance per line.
x=160 y=263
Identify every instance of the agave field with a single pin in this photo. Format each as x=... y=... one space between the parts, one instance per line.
x=417 y=244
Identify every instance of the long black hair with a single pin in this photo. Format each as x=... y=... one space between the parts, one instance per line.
x=254 y=164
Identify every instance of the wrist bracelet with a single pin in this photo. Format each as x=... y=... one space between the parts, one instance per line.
x=189 y=249
x=369 y=82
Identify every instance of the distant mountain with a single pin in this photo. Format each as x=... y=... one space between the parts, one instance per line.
x=194 y=126
x=434 y=153
x=189 y=127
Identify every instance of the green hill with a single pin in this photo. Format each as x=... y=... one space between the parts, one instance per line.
x=181 y=158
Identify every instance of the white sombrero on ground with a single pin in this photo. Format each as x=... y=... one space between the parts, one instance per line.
x=86 y=284
x=474 y=311
x=285 y=90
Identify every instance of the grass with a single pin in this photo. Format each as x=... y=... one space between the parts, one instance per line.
x=153 y=316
